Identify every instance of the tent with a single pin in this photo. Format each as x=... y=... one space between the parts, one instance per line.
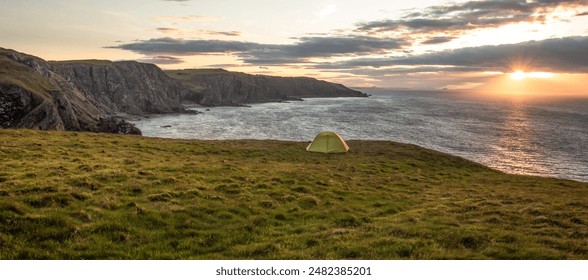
x=328 y=142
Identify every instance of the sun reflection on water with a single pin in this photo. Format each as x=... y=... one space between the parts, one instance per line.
x=517 y=148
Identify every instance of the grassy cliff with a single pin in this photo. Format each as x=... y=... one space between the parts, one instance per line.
x=14 y=73
x=68 y=195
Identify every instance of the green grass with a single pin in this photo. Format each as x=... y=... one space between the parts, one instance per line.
x=14 y=73
x=68 y=195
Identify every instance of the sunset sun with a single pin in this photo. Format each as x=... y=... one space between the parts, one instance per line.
x=520 y=75
x=517 y=75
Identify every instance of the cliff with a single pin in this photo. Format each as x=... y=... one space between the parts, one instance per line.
x=33 y=96
x=127 y=86
x=221 y=87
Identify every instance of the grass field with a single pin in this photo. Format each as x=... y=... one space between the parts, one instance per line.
x=68 y=195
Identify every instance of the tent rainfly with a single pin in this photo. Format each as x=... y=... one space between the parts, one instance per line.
x=328 y=142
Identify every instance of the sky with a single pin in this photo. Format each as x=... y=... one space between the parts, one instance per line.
x=511 y=47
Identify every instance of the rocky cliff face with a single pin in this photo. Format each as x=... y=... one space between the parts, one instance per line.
x=220 y=87
x=127 y=86
x=33 y=96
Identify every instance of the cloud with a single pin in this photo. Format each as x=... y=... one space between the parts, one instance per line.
x=167 y=30
x=378 y=43
x=187 y=32
x=196 y=18
x=171 y=46
x=438 y=40
x=320 y=47
x=161 y=60
x=412 y=70
x=343 y=45
x=224 y=33
x=556 y=55
x=221 y=65
x=459 y=18
x=254 y=53
x=568 y=55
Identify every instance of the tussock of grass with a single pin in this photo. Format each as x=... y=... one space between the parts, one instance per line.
x=68 y=195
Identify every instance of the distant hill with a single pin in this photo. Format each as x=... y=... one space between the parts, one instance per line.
x=222 y=87
x=95 y=95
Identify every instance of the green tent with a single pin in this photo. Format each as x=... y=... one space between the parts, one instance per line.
x=328 y=142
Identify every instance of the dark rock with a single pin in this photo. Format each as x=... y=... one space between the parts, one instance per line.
x=117 y=125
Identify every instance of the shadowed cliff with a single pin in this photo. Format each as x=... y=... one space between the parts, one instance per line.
x=125 y=86
x=218 y=87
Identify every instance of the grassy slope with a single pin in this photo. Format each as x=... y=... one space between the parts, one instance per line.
x=14 y=73
x=72 y=195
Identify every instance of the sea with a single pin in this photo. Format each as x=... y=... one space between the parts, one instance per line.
x=515 y=134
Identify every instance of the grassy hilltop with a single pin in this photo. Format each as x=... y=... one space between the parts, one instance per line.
x=68 y=195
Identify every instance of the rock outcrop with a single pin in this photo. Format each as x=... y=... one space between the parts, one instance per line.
x=217 y=87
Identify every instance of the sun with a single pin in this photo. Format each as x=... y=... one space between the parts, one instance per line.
x=520 y=75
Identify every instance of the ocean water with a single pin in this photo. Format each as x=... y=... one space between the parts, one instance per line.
x=547 y=137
